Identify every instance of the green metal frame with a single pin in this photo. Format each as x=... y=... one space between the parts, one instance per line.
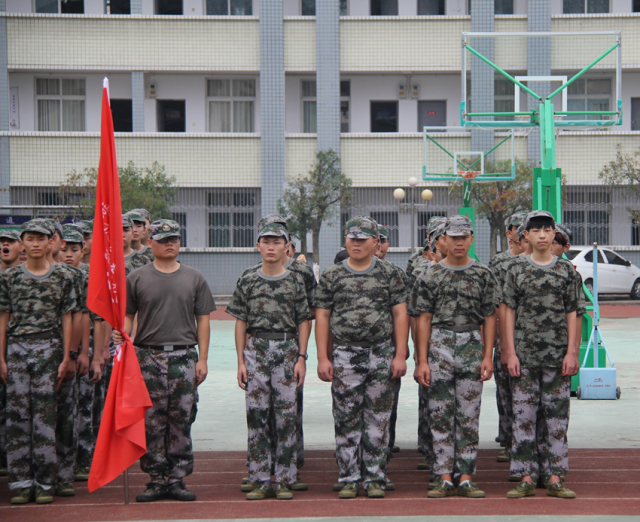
x=547 y=180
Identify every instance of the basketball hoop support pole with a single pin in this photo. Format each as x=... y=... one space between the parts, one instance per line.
x=469 y=211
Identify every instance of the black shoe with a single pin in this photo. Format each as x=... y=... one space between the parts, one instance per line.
x=152 y=493
x=178 y=491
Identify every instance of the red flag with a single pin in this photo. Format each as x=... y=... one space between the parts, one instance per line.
x=121 y=439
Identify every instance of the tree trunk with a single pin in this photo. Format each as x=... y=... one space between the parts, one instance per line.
x=493 y=235
x=303 y=245
x=315 y=232
x=504 y=242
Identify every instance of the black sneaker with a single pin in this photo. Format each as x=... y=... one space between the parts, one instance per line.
x=178 y=491
x=152 y=493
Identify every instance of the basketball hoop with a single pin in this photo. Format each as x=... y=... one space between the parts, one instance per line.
x=469 y=174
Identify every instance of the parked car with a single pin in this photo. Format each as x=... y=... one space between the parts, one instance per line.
x=616 y=275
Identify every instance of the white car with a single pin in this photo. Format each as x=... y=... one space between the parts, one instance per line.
x=616 y=275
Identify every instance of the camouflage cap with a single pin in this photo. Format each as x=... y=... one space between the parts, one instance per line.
x=439 y=231
x=136 y=216
x=272 y=218
x=434 y=223
x=36 y=225
x=144 y=213
x=73 y=236
x=520 y=232
x=163 y=228
x=361 y=227
x=515 y=220
x=383 y=231
x=10 y=233
x=538 y=214
x=565 y=231
x=127 y=222
x=458 y=226
x=85 y=226
x=425 y=244
x=274 y=230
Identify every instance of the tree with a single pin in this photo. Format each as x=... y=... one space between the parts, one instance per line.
x=310 y=200
x=624 y=170
x=148 y=187
x=497 y=200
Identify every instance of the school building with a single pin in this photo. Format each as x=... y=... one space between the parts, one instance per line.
x=233 y=97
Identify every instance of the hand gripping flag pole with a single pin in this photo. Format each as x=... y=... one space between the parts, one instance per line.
x=121 y=438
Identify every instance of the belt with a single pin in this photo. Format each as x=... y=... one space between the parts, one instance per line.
x=167 y=348
x=359 y=344
x=51 y=334
x=275 y=336
x=461 y=328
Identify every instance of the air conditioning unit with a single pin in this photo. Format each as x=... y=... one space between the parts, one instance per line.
x=402 y=91
x=151 y=92
x=415 y=91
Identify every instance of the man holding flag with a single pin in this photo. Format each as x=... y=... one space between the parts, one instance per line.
x=173 y=303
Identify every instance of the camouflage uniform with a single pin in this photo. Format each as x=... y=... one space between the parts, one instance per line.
x=541 y=297
x=310 y=285
x=271 y=305
x=37 y=305
x=362 y=389
x=135 y=260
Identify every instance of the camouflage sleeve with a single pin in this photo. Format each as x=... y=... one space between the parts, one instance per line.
x=71 y=299
x=508 y=295
x=85 y=288
x=570 y=296
x=301 y=302
x=324 y=293
x=424 y=299
x=397 y=287
x=411 y=301
x=489 y=294
x=5 y=293
x=582 y=305
x=132 y=301
x=204 y=303
x=238 y=306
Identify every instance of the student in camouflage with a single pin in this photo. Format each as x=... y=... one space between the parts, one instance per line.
x=36 y=303
x=539 y=346
x=498 y=266
x=173 y=303
x=360 y=304
x=455 y=298
x=132 y=259
x=271 y=305
x=9 y=257
x=299 y=267
x=433 y=222
x=141 y=218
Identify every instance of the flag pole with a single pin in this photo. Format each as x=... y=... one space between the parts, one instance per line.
x=126 y=486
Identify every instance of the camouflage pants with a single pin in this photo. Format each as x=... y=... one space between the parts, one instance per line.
x=271 y=393
x=503 y=398
x=171 y=381
x=66 y=430
x=299 y=432
x=362 y=392
x=3 y=425
x=424 y=428
x=86 y=440
x=397 y=383
x=540 y=421
x=31 y=412
x=454 y=399
x=100 y=395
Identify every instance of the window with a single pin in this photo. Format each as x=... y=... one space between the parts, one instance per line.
x=591 y=225
x=309 y=107
x=344 y=7
x=389 y=220
x=384 y=116
x=614 y=259
x=308 y=7
x=504 y=98
x=503 y=7
x=636 y=6
x=585 y=6
x=591 y=94
x=122 y=112
x=635 y=233
x=168 y=7
x=171 y=115
x=60 y=104
x=230 y=7
x=588 y=257
x=60 y=6
x=231 y=105
x=431 y=7
x=181 y=219
x=345 y=102
x=119 y=7
x=384 y=7
x=49 y=197
x=232 y=218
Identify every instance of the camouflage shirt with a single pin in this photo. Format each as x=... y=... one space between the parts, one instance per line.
x=420 y=268
x=148 y=253
x=541 y=297
x=270 y=304
x=79 y=293
x=36 y=302
x=361 y=301
x=133 y=261
x=498 y=266
x=582 y=305
x=412 y=261
x=297 y=267
x=456 y=296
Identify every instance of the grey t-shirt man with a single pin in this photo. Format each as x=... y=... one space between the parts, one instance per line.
x=167 y=304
